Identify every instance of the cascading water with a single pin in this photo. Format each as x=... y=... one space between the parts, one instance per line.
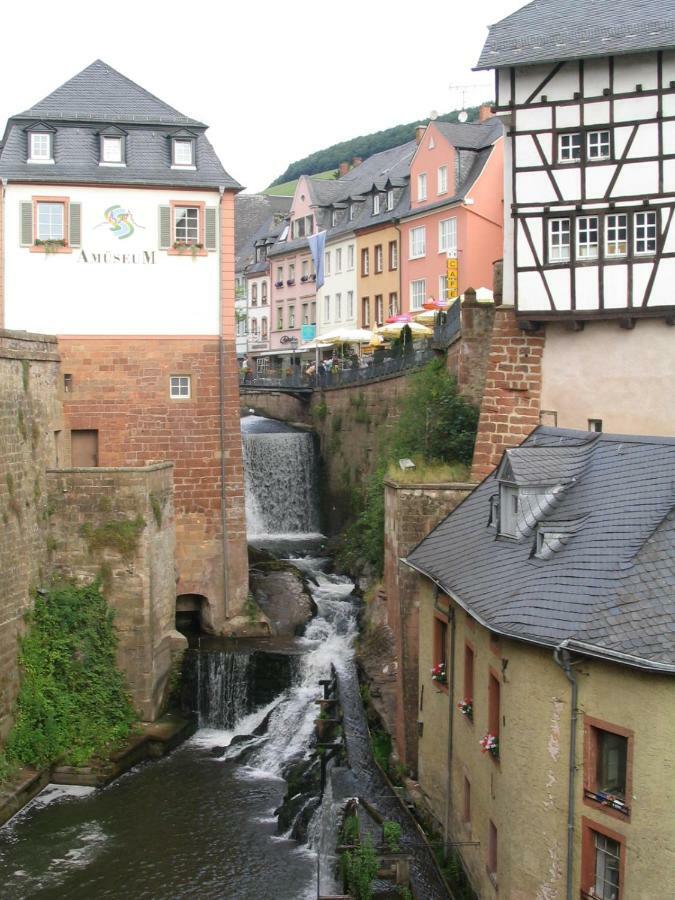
x=223 y=689
x=280 y=481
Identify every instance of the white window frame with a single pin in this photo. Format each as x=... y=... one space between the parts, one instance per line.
x=616 y=224
x=422 y=186
x=351 y=212
x=588 y=237
x=442 y=287
x=350 y=304
x=41 y=158
x=108 y=142
x=350 y=256
x=338 y=260
x=334 y=218
x=418 y=293
x=50 y=227
x=291 y=317
x=569 y=147
x=645 y=229
x=442 y=180
x=187 y=225
x=390 y=199
x=509 y=507
x=379 y=259
x=418 y=242
x=558 y=250
x=598 y=144
x=326 y=263
x=447 y=235
x=338 y=307
x=180 y=387
x=376 y=204
x=326 y=308
x=188 y=160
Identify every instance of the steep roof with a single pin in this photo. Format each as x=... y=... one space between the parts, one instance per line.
x=78 y=110
x=101 y=93
x=255 y=215
x=555 y=30
x=606 y=583
x=472 y=135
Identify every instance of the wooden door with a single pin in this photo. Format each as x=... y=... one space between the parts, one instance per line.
x=84 y=449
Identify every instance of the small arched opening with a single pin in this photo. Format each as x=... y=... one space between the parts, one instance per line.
x=189 y=613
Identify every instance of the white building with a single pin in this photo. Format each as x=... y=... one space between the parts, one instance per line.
x=337 y=297
x=587 y=94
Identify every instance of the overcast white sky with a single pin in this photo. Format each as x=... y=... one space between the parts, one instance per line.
x=274 y=80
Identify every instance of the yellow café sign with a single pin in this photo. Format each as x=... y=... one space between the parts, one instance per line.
x=453 y=277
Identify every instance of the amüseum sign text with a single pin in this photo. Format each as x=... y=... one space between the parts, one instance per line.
x=140 y=258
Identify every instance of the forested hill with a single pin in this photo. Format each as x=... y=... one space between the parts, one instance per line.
x=364 y=146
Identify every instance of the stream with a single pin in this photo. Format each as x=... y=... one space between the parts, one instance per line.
x=201 y=822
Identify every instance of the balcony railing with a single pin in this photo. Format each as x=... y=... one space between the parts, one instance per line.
x=447 y=327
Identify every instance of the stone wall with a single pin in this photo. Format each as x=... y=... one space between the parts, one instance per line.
x=275 y=405
x=30 y=429
x=119 y=525
x=468 y=356
x=411 y=512
x=511 y=399
x=119 y=386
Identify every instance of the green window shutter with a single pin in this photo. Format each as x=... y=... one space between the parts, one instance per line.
x=26 y=224
x=210 y=228
x=75 y=224
x=164 y=227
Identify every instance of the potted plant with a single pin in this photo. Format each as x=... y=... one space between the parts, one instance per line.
x=490 y=744
x=466 y=708
x=438 y=673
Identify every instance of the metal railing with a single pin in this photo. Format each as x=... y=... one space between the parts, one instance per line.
x=447 y=326
x=336 y=377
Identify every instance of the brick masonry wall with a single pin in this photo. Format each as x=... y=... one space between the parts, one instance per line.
x=511 y=399
x=411 y=512
x=30 y=415
x=120 y=386
x=139 y=586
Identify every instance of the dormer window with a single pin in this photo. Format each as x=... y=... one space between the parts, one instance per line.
x=351 y=211
x=113 y=147
x=334 y=218
x=40 y=143
x=390 y=199
x=509 y=505
x=183 y=151
x=376 y=204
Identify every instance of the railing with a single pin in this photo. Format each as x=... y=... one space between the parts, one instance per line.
x=342 y=377
x=608 y=800
x=447 y=326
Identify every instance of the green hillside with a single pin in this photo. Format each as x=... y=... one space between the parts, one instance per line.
x=287 y=189
x=327 y=161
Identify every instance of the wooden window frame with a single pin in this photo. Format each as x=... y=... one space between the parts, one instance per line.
x=440 y=650
x=365 y=262
x=590 y=765
x=494 y=711
x=393 y=256
x=365 y=304
x=187 y=251
x=602 y=258
x=589 y=827
x=466 y=806
x=379 y=255
x=469 y=683
x=491 y=856
x=65 y=201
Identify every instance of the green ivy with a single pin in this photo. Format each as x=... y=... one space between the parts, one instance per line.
x=73 y=703
x=359 y=868
x=391 y=832
x=121 y=535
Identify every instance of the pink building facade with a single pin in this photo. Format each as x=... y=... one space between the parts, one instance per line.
x=456 y=207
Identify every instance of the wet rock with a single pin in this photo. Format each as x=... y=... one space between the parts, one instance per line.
x=282 y=596
x=302 y=820
x=302 y=797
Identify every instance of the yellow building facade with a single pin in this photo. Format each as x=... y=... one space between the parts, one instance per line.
x=378 y=260
x=508 y=815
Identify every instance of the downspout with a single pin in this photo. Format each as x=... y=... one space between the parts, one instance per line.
x=562 y=657
x=451 y=706
x=221 y=381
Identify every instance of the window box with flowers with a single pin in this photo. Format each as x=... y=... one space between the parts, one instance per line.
x=490 y=744
x=290 y=282
x=466 y=708
x=194 y=249
x=51 y=245
x=439 y=674
x=304 y=278
x=278 y=284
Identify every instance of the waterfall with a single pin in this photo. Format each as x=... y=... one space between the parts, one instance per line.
x=223 y=689
x=280 y=480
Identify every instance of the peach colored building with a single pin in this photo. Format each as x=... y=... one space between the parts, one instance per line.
x=456 y=208
x=378 y=274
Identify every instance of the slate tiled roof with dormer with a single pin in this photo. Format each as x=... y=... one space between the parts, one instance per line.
x=557 y=30
x=605 y=581
x=79 y=110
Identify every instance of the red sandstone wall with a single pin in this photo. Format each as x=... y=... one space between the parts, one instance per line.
x=120 y=386
x=511 y=399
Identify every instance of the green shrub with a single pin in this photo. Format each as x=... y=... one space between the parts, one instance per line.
x=73 y=703
x=391 y=831
x=360 y=869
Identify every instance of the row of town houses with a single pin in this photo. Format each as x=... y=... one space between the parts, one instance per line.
x=392 y=221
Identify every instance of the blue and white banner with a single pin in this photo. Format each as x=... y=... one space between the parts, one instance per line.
x=317 y=244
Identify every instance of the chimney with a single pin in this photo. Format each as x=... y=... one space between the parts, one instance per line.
x=343 y=169
x=419 y=133
x=485 y=112
x=356 y=161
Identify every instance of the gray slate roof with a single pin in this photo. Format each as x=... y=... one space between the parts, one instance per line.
x=79 y=109
x=607 y=585
x=255 y=215
x=554 y=30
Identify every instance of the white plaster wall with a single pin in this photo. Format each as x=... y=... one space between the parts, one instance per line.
x=638 y=68
x=589 y=375
x=60 y=294
x=339 y=283
x=586 y=292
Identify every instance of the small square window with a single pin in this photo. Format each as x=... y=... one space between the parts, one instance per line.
x=645 y=233
x=598 y=145
x=595 y=424
x=183 y=153
x=558 y=240
x=569 y=147
x=186 y=224
x=180 y=387
x=616 y=234
x=587 y=237
x=51 y=221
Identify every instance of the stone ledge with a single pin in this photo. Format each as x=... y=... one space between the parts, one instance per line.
x=112 y=470
x=28 y=336
x=27 y=785
x=431 y=485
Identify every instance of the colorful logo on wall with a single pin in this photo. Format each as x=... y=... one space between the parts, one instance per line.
x=120 y=221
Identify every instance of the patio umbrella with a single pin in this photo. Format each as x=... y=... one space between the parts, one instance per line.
x=401 y=317
x=394 y=329
x=347 y=336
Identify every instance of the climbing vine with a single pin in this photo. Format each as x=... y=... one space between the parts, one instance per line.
x=73 y=703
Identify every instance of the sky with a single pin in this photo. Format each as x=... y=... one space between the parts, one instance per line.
x=275 y=81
